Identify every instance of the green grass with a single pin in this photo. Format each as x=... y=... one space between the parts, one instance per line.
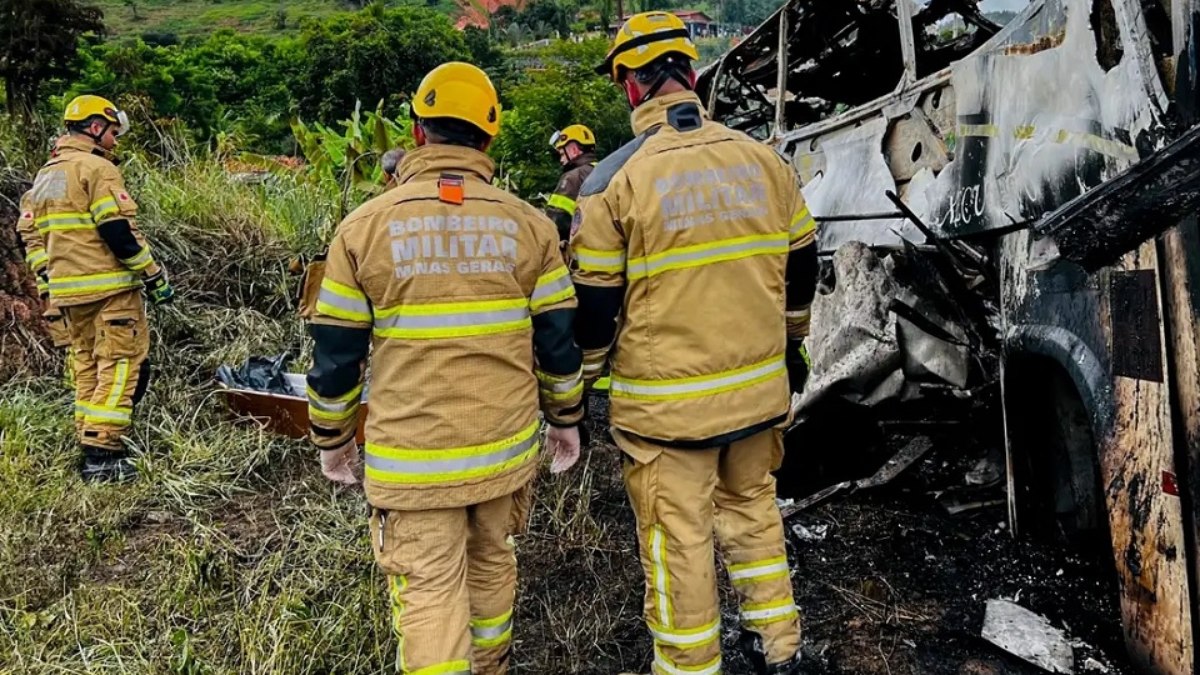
x=198 y=17
x=233 y=554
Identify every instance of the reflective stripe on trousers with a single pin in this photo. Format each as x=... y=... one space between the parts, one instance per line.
x=758 y=614
x=700 y=385
x=663 y=665
x=422 y=466
x=486 y=633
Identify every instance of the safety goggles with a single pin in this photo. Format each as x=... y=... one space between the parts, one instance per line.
x=122 y=123
x=555 y=138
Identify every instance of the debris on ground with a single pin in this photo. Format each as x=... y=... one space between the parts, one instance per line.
x=811 y=532
x=1030 y=636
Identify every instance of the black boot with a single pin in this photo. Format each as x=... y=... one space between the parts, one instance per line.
x=750 y=643
x=104 y=466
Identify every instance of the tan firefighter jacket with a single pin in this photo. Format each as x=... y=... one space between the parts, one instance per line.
x=35 y=249
x=683 y=244
x=459 y=292
x=561 y=205
x=84 y=222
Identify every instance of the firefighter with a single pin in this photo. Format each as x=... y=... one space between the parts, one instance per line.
x=576 y=150
x=459 y=293
x=695 y=267
x=97 y=265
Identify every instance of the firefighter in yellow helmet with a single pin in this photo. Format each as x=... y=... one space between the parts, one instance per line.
x=458 y=292
x=576 y=150
x=694 y=257
x=97 y=266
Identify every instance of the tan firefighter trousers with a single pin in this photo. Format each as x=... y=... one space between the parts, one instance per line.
x=679 y=497
x=110 y=342
x=60 y=337
x=452 y=579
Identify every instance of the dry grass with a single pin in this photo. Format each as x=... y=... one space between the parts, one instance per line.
x=233 y=554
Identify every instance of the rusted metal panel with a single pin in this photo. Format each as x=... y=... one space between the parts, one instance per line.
x=1144 y=521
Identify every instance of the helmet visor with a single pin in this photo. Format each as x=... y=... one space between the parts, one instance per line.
x=122 y=123
x=555 y=138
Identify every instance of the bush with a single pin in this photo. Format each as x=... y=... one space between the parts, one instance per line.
x=561 y=89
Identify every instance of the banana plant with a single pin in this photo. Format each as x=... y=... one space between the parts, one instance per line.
x=351 y=157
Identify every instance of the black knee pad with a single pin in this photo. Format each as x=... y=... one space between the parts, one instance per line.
x=143 y=381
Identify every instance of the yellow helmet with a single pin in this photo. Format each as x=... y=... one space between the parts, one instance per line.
x=81 y=108
x=644 y=38
x=576 y=132
x=459 y=91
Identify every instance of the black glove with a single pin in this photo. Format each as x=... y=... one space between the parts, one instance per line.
x=797 y=362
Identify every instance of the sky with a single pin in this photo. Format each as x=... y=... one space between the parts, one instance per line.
x=1002 y=5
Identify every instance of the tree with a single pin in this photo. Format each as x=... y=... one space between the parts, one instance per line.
x=371 y=55
x=563 y=90
x=38 y=42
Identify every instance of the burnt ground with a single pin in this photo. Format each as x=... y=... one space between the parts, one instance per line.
x=896 y=584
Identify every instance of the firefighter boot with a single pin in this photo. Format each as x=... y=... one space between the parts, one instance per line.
x=103 y=466
x=751 y=645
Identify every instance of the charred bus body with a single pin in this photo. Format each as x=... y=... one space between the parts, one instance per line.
x=986 y=133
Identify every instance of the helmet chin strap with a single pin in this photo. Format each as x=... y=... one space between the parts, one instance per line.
x=669 y=72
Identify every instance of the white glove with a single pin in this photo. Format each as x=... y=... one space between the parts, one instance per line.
x=564 y=443
x=343 y=464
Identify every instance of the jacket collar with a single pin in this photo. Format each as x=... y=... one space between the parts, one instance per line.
x=432 y=160
x=68 y=144
x=653 y=113
x=582 y=160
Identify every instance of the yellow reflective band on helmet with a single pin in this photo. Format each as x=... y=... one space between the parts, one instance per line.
x=558 y=388
x=700 y=385
x=423 y=466
x=62 y=222
x=452 y=319
x=562 y=203
x=447 y=668
x=698 y=255
x=757 y=572
x=343 y=302
x=334 y=409
x=36 y=257
x=803 y=225
x=665 y=666
x=120 y=380
x=140 y=261
x=486 y=633
x=552 y=288
x=103 y=208
x=93 y=283
x=592 y=260
x=685 y=638
x=761 y=613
